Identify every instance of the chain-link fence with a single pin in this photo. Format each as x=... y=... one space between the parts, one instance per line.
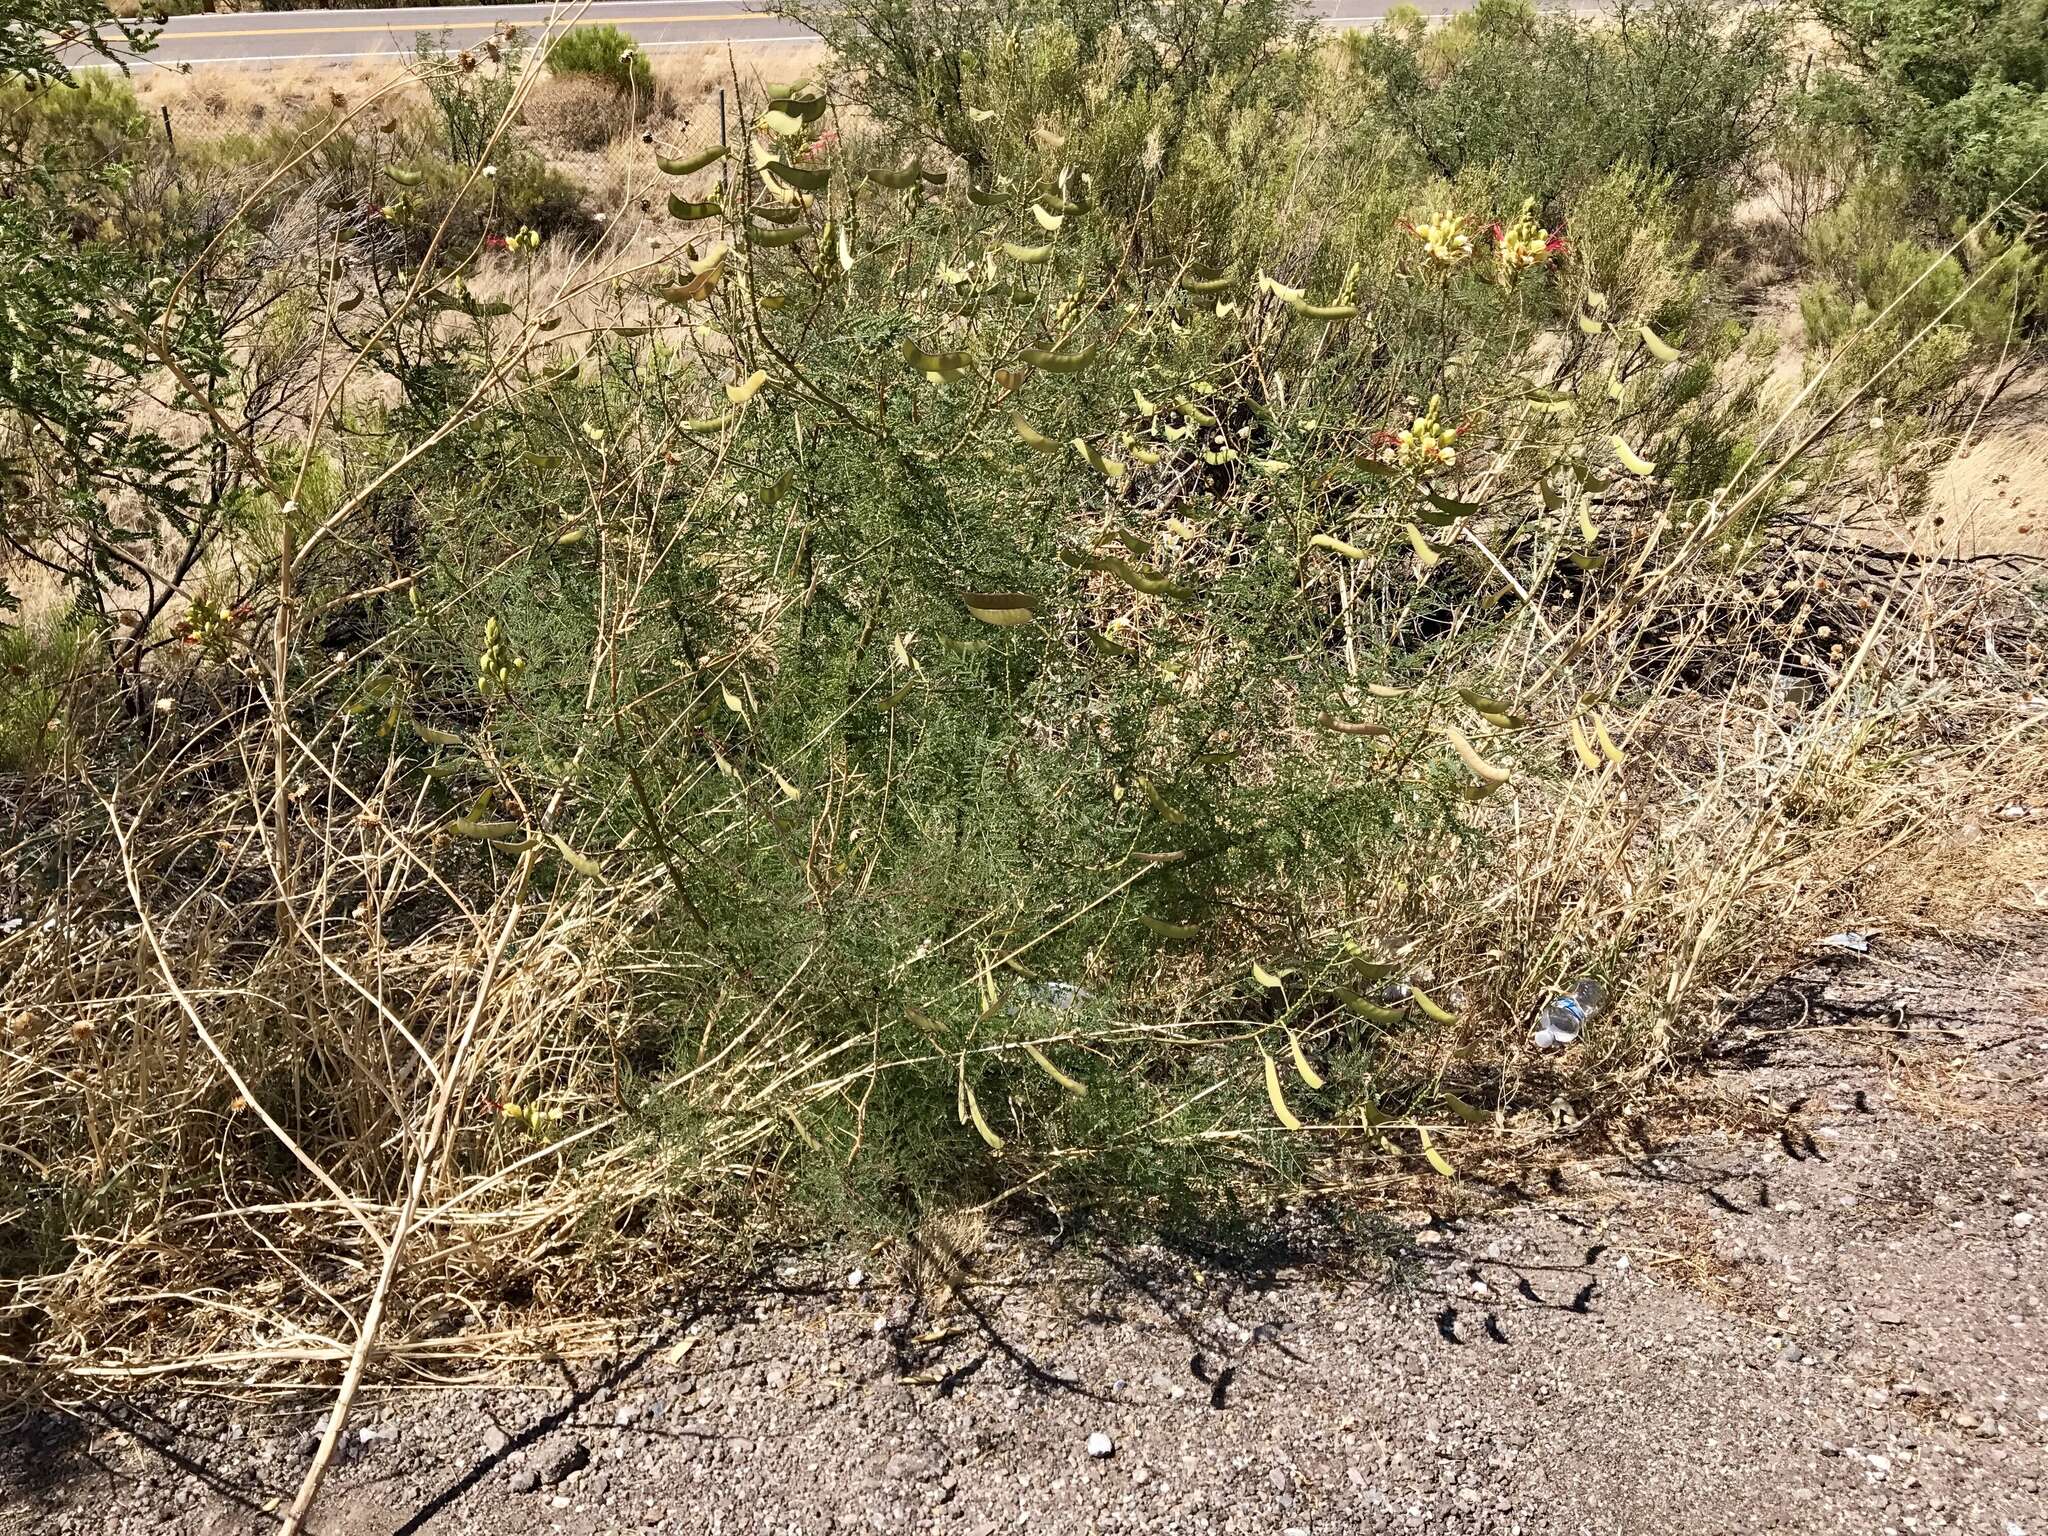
x=569 y=119
x=579 y=161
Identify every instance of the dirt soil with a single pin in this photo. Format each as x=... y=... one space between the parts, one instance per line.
x=1990 y=498
x=1824 y=1316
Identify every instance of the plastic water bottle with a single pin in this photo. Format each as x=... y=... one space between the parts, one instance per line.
x=1564 y=1017
x=1056 y=996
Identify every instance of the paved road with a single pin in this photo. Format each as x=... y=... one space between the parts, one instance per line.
x=281 y=36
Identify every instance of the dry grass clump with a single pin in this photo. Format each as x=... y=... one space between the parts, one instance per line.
x=211 y=102
x=577 y=114
x=214 y=101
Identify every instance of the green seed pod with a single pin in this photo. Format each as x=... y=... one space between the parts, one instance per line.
x=689 y=163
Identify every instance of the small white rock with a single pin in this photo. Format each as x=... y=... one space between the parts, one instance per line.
x=855 y=1279
x=1100 y=1445
x=2023 y=1219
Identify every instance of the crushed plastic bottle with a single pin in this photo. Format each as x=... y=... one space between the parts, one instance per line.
x=1056 y=996
x=1563 y=1018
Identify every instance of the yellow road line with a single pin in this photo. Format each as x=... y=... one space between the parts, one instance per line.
x=453 y=26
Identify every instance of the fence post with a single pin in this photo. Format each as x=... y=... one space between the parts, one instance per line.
x=724 y=167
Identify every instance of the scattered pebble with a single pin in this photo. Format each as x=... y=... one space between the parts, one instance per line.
x=1100 y=1445
x=563 y=1460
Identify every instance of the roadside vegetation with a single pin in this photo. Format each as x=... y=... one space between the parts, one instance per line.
x=1085 y=625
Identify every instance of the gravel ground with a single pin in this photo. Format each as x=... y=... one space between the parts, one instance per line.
x=1829 y=1320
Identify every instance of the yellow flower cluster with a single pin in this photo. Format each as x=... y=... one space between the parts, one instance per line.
x=212 y=626
x=1446 y=239
x=539 y=1122
x=1522 y=244
x=1424 y=446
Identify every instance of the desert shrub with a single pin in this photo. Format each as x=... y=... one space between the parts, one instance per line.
x=1993 y=288
x=401 y=182
x=1813 y=164
x=1876 y=284
x=603 y=53
x=472 y=89
x=1953 y=93
x=1945 y=103
x=464 y=206
x=90 y=476
x=1549 y=101
x=93 y=119
x=1014 y=746
x=969 y=78
x=318 y=140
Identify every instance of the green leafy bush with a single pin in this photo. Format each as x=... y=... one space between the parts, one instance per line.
x=603 y=53
x=1548 y=101
x=94 y=119
x=1954 y=93
x=971 y=78
x=1876 y=285
x=1002 y=628
x=464 y=206
x=91 y=477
